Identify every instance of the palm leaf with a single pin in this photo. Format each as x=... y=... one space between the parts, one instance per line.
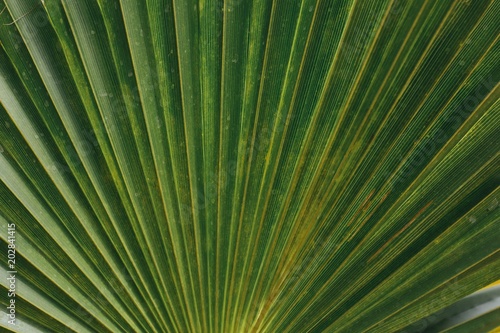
x=474 y=313
x=247 y=166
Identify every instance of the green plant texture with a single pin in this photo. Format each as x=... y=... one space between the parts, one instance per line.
x=245 y=166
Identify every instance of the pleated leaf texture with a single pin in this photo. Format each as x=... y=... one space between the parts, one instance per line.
x=247 y=166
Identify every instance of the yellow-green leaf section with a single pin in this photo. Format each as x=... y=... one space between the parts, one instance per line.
x=248 y=166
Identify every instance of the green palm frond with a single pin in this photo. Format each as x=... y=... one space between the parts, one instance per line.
x=247 y=166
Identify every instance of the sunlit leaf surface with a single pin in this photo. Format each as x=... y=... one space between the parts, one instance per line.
x=247 y=166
